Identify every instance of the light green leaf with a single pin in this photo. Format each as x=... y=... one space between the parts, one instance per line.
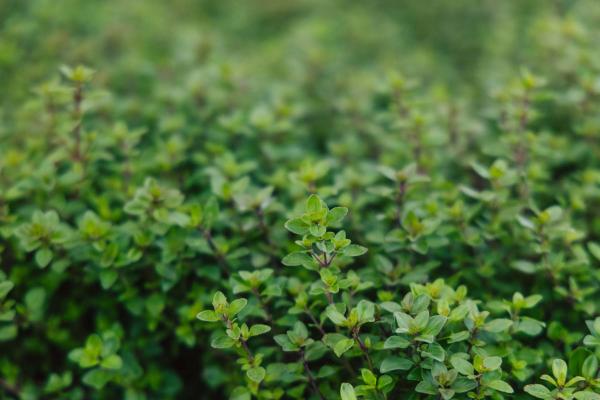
x=208 y=316
x=396 y=342
x=43 y=257
x=297 y=226
x=96 y=378
x=559 y=370
x=539 y=391
x=313 y=204
x=222 y=342
x=492 y=363
x=297 y=258
x=462 y=366
x=236 y=306
x=586 y=395
x=259 y=329
x=343 y=346
x=347 y=392
x=334 y=315
x=498 y=325
x=336 y=214
x=113 y=361
x=500 y=386
x=354 y=250
x=256 y=374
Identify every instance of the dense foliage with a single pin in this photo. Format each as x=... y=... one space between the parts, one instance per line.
x=299 y=199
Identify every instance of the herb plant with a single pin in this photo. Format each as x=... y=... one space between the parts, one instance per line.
x=257 y=200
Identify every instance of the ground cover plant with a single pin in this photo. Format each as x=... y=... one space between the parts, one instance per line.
x=299 y=200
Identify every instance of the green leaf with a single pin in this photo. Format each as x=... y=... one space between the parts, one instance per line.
x=586 y=395
x=219 y=300
x=313 y=204
x=385 y=383
x=559 y=370
x=208 y=316
x=354 y=250
x=347 y=392
x=343 y=346
x=500 y=386
x=539 y=391
x=530 y=326
x=594 y=249
x=396 y=342
x=492 y=363
x=300 y=330
x=394 y=363
x=590 y=340
x=532 y=301
x=459 y=313
x=297 y=258
x=113 y=361
x=462 y=366
x=426 y=387
x=240 y=393
x=391 y=306
x=404 y=322
x=434 y=325
x=498 y=325
x=447 y=394
x=222 y=342
x=107 y=278
x=285 y=343
x=297 y=226
x=462 y=384
x=368 y=377
x=256 y=374
x=43 y=257
x=336 y=214
x=435 y=351
x=459 y=336
x=5 y=287
x=35 y=301
x=155 y=304
x=590 y=367
x=259 y=329
x=334 y=315
x=211 y=212
x=96 y=378
x=317 y=230
x=8 y=332
x=366 y=311
x=236 y=306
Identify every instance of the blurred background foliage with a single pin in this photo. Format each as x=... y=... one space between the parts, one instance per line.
x=463 y=45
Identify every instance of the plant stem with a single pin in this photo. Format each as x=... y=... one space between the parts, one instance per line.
x=247 y=350
x=309 y=375
x=521 y=151
x=314 y=321
x=263 y=306
x=399 y=202
x=77 y=100
x=363 y=348
x=266 y=232
x=219 y=256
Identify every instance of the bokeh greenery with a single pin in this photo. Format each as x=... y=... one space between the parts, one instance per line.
x=382 y=199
